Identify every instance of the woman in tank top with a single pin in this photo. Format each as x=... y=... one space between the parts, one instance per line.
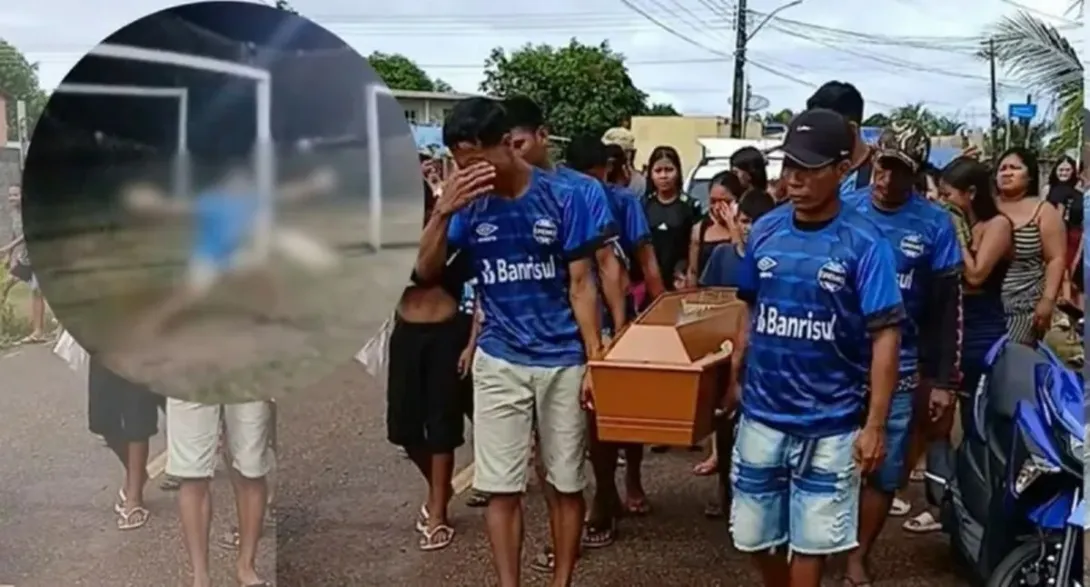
x=1036 y=272
x=712 y=231
x=986 y=235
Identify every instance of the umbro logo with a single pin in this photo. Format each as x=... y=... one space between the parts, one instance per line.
x=486 y=232
x=765 y=266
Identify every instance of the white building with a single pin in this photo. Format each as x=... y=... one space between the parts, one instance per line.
x=427 y=107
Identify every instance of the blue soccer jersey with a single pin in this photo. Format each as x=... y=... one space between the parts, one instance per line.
x=222 y=222
x=815 y=297
x=925 y=245
x=594 y=192
x=632 y=223
x=521 y=248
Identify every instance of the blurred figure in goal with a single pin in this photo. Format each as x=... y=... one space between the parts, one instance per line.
x=225 y=219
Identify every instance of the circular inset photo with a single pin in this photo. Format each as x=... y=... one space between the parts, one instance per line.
x=212 y=197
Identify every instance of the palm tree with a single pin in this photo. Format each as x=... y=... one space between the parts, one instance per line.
x=1034 y=52
x=934 y=124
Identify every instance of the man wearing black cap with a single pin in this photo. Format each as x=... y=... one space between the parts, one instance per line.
x=820 y=360
x=845 y=99
x=928 y=259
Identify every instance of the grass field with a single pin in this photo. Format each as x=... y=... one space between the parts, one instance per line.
x=14 y=321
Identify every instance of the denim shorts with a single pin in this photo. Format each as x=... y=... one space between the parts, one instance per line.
x=802 y=492
x=891 y=475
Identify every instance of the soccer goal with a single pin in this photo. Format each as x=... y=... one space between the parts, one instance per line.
x=374 y=160
x=180 y=168
x=264 y=155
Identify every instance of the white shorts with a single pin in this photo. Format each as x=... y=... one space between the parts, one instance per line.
x=193 y=431
x=203 y=273
x=508 y=401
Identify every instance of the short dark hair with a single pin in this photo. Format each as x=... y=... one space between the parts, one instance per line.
x=729 y=181
x=524 y=113
x=475 y=120
x=840 y=97
x=585 y=152
x=617 y=158
x=756 y=203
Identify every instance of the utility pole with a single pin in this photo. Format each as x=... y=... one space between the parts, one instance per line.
x=994 y=98
x=1027 y=122
x=738 y=106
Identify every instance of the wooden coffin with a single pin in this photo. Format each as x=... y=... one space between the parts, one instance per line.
x=662 y=376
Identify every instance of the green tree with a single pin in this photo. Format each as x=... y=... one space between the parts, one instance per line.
x=401 y=73
x=582 y=88
x=1038 y=135
x=934 y=124
x=661 y=109
x=1038 y=55
x=19 y=81
x=879 y=120
x=782 y=117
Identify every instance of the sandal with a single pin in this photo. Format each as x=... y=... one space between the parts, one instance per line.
x=899 y=508
x=924 y=523
x=436 y=538
x=544 y=561
x=637 y=508
x=707 y=467
x=119 y=504
x=229 y=540
x=422 y=518
x=917 y=476
x=477 y=499
x=33 y=339
x=599 y=535
x=849 y=582
x=132 y=518
x=170 y=483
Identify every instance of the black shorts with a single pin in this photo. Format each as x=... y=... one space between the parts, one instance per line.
x=463 y=325
x=119 y=410
x=425 y=405
x=22 y=272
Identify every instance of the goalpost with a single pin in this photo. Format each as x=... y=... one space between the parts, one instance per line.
x=374 y=160
x=264 y=160
x=181 y=172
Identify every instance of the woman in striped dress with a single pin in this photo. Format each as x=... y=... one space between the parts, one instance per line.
x=1036 y=272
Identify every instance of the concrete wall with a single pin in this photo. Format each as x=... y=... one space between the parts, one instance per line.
x=681 y=133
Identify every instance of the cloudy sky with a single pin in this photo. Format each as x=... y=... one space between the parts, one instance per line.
x=895 y=51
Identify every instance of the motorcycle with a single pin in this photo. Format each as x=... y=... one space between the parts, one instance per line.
x=1011 y=495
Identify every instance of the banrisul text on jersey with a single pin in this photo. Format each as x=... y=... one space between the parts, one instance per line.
x=775 y=322
x=521 y=248
x=514 y=270
x=815 y=293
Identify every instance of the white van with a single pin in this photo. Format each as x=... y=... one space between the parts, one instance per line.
x=716 y=158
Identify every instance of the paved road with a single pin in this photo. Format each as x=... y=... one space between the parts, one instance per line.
x=345 y=508
x=58 y=487
x=348 y=501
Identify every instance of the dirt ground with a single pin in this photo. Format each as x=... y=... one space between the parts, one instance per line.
x=98 y=283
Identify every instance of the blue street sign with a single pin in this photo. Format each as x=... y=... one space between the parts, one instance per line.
x=1022 y=111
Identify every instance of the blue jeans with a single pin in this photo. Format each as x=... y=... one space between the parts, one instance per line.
x=891 y=475
x=803 y=492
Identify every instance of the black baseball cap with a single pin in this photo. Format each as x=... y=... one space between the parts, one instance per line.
x=817 y=138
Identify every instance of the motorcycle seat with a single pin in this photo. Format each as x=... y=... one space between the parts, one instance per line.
x=1011 y=379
